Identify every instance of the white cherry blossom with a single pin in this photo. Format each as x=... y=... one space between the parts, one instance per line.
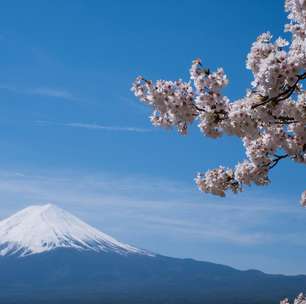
x=300 y=299
x=270 y=119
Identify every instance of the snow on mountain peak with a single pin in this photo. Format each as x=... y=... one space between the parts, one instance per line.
x=41 y=228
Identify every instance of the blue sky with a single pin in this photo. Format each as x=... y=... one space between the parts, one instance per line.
x=73 y=134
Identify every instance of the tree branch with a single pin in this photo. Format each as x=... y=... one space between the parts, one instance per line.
x=282 y=96
x=277 y=158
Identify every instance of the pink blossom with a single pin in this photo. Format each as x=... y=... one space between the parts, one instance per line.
x=270 y=119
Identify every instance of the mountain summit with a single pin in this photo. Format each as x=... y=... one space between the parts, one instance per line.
x=42 y=228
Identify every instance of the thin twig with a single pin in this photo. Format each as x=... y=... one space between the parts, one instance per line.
x=277 y=158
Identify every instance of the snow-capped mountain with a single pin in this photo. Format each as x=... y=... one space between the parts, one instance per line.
x=42 y=228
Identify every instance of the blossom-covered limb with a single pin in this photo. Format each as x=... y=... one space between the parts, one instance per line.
x=270 y=119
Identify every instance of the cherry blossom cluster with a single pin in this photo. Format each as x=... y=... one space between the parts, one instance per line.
x=217 y=181
x=270 y=119
x=300 y=299
x=172 y=102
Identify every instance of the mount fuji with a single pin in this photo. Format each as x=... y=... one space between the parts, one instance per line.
x=49 y=256
x=39 y=229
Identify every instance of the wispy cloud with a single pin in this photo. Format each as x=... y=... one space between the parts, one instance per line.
x=51 y=92
x=166 y=217
x=93 y=126
x=156 y=204
x=42 y=91
x=9 y=88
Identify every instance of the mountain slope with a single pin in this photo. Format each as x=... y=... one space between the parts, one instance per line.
x=38 y=229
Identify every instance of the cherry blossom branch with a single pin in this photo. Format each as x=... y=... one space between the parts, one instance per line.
x=282 y=96
x=300 y=299
x=279 y=69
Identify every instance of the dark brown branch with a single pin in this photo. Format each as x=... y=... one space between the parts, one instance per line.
x=277 y=158
x=198 y=109
x=282 y=96
x=284 y=120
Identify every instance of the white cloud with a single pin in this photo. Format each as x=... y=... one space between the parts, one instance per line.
x=169 y=217
x=94 y=126
x=152 y=204
x=41 y=91
x=52 y=92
